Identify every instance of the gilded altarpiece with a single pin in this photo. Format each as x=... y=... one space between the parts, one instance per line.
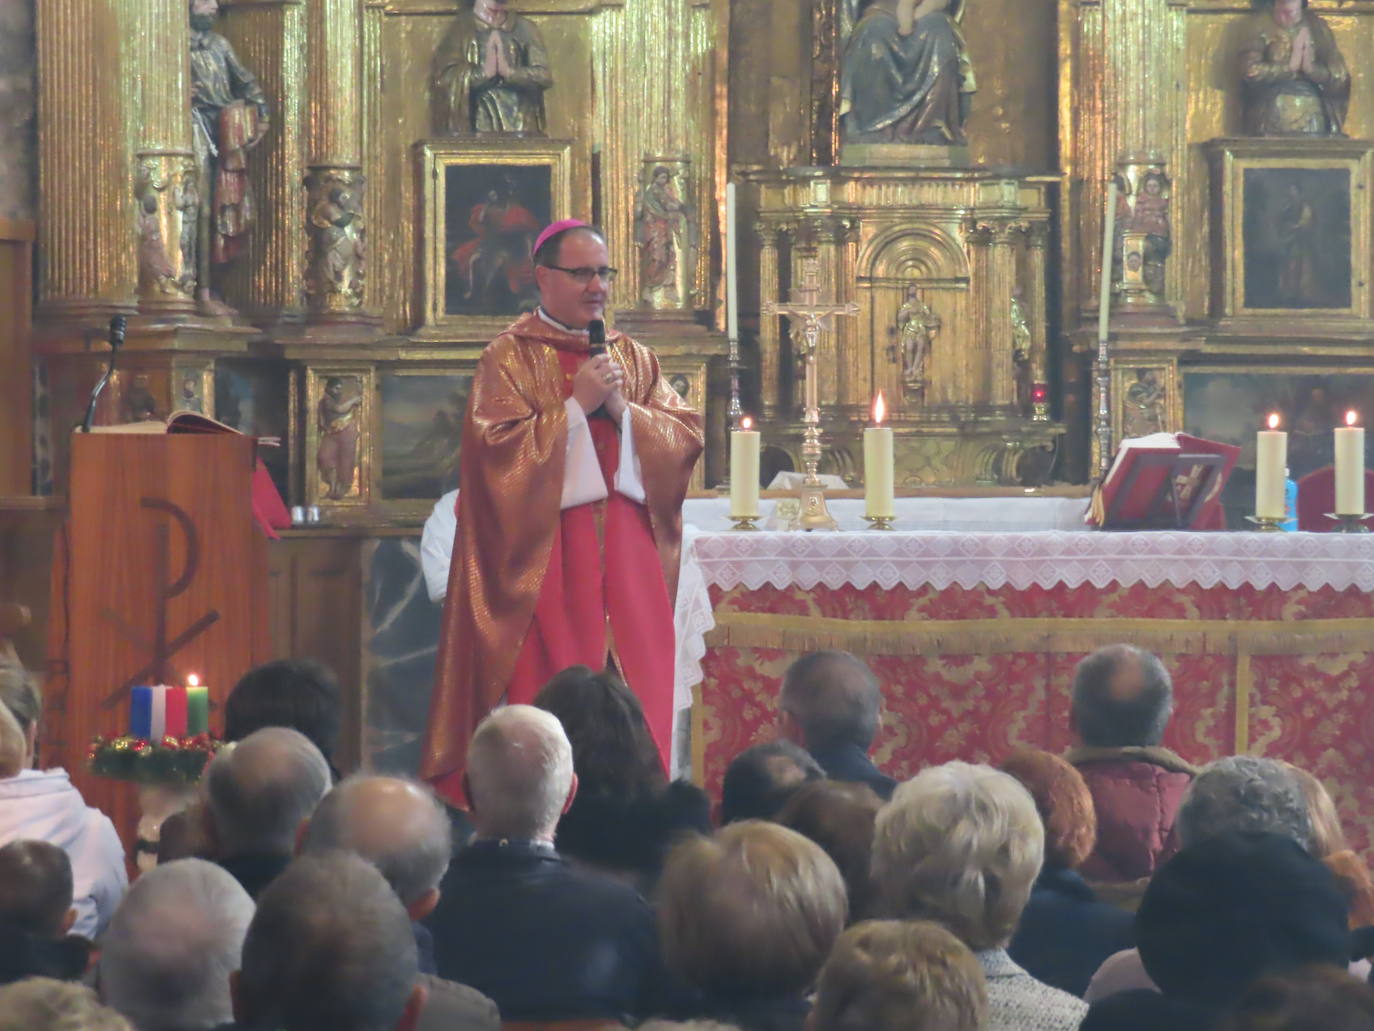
x=955 y=246
x=1164 y=76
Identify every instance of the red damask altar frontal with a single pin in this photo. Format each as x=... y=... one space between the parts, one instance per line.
x=1272 y=657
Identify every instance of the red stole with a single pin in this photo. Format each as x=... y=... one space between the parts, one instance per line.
x=603 y=596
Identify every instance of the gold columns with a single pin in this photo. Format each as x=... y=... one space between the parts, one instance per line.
x=1037 y=237
x=270 y=39
x=167 y=194
x=1120 y=92
x=85 y=242
x=334 y=216
x=988 y=369
x=769 y=387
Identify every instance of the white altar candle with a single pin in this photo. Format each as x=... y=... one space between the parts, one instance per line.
x=1104 y=299
x=744 y=471
x=1350 y=467
x=1271 y=464
x=879 y=497
x=731 y=267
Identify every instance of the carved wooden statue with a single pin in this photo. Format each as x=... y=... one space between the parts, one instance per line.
x=490 y=73
x=1295 y=80
x=905 y=75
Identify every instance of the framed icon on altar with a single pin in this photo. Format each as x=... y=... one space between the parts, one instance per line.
x=484 y=201
x=1291 y=231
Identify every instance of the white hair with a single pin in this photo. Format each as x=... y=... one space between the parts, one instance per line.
x=960 y=844
x=1244 y=793
x=167 y=954
x=262 y=788
x=45 y=1004
x=396 y=824
x=520 y=770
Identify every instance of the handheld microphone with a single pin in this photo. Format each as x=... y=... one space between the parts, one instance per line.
x=118 y=325
x=596 y=341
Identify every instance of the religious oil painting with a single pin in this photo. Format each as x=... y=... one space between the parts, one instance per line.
x=1230 y=406
x=485 y=205
x=254 y=397
x=339 y=425
x=1296 y=237
x=422 y=424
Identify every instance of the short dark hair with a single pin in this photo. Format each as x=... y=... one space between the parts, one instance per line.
x=834 y=697
x=329 y=946
x=1108 y=717
x=759 y=781
x=547 y=254
x=35 y=887
x=613 y=751
x=302 y=694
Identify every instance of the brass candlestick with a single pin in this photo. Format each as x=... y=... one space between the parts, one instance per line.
x=879 y=522
x=814 y=514
x=1351 y=523
x=744 y=522
x=1266 y=524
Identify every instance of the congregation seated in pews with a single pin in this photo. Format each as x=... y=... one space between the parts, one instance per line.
x=1115 y=887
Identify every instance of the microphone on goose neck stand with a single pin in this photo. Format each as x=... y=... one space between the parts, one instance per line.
x=596 y=345
x=118 y=324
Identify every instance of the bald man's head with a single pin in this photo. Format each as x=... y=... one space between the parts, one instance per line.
x=1122 y=697
x=397 y=825
x=833 y=698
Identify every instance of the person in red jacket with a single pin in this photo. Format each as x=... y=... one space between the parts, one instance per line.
x=1122 y=701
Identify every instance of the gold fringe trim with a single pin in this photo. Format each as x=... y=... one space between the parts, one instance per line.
x=1054 y=635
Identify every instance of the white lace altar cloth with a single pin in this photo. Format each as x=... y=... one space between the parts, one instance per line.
x=1018 y=560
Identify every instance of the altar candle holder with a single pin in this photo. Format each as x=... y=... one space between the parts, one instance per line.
x=879 y=522
x=1351 y=523
x=1266 y=524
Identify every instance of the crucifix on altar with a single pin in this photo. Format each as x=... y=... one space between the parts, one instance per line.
x=809 y=316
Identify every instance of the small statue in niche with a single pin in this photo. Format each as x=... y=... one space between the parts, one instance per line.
x=1020 y=349
x=155 y=270
x=230 y=118
x=1143 y=407
x=666 y=237
x=1294 y=79
x=337 y=457
x=490 y=73
x=905 y=74
x=917 y=326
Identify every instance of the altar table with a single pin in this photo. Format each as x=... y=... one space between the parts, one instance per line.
x=974 y=635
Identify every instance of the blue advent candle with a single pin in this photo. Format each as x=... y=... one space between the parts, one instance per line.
x=141 y=712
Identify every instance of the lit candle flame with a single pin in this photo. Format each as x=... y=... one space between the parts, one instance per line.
x=879 y=409
x=1351 y=417
x=746 y=423
x=1273 y=420
x=193 y=681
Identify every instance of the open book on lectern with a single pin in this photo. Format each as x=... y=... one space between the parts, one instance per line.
x=1165 y=481
x=268 y=508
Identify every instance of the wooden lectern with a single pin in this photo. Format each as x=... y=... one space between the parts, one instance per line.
x=159 y=572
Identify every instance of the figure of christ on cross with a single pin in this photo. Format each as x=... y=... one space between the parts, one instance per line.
x=574 y=465
x=813 y=315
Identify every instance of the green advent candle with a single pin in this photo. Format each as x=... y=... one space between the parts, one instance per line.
x=197 y=707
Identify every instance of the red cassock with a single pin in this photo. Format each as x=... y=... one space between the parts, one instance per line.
x=534 y=588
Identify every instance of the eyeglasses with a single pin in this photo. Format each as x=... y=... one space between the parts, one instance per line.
x=586 y=274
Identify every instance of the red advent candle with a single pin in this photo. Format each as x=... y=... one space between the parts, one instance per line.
x=176 y=712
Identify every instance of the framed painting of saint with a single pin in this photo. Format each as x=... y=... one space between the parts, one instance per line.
x=485 y=201
x=1291 y=238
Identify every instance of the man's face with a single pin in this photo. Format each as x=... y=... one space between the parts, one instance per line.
x=204 y=10
x=1288 y=12
x=570 y=302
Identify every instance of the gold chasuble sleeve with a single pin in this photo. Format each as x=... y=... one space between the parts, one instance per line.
x=510 y=491
x=668 y=438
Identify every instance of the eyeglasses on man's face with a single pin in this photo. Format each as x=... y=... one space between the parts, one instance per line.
x=586 y=273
